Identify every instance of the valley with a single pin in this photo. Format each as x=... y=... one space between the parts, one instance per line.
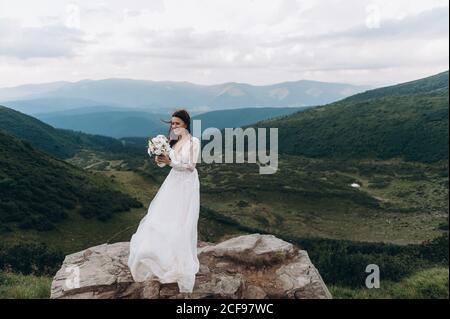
x=359 y=181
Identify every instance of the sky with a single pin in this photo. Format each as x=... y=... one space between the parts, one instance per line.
x=260 y=42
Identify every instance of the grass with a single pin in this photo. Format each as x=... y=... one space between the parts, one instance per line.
x=306 y=198
x=427 y=284
x=17 y=286
x=78 y=233
x=284 y=213
x=281 y=202
x=312 y=198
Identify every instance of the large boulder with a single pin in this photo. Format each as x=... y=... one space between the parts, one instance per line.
x=252 y=266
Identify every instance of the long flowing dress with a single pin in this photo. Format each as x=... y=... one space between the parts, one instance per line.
x=164 y=246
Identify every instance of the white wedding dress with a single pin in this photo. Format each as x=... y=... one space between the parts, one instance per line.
x=164 y=246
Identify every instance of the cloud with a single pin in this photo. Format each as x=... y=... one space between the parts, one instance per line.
x=356 y=47
x=212 y=41
x=49 y=41
x=430 y=23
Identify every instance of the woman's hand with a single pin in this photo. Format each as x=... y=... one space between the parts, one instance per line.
x=162 y=159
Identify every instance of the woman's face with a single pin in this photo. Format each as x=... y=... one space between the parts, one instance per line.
x=177 y=125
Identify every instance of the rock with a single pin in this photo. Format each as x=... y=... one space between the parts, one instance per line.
x=255 y=249
x=254 y=292
x=251 y=266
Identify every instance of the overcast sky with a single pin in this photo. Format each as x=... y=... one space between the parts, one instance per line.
x=215 y=41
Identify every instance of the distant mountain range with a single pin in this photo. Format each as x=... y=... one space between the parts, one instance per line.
x=125 y=123
x=241 y=117
x=408 y=121
x=55 y=104
x=165 y=95
x=122 y=122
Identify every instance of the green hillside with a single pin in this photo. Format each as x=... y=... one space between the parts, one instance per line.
x=408 y=121
x=37 y=191
x=58 y=142
x=244 y=116
x=429 y=84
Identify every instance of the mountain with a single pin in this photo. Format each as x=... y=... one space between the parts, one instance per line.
x=240 y=117
x=51 y=104
x=92 y=109
x=286 y=94
x=120 y=122
x=153 y=95
x=58 y=142
x=408 y=120
x=429 y=84
x=111 y=123
x=16 y=92
x=38 y=191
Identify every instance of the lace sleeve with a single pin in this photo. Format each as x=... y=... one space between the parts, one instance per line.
x=190 y=164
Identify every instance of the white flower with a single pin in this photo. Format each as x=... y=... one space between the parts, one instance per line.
x=159 y=145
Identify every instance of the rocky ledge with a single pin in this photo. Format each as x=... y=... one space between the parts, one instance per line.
x=252 y=267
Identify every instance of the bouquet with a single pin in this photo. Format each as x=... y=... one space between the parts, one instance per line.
x=158 y=145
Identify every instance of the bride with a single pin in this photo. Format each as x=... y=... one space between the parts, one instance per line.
x=164 y=246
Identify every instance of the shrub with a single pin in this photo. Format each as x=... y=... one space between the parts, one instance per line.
x=30 y=258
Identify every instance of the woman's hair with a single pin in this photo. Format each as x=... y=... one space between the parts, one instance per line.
x=184 y=116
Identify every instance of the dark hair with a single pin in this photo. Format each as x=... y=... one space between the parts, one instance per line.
x=184 y=116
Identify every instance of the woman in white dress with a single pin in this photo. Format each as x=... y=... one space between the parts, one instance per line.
x=164 y=247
